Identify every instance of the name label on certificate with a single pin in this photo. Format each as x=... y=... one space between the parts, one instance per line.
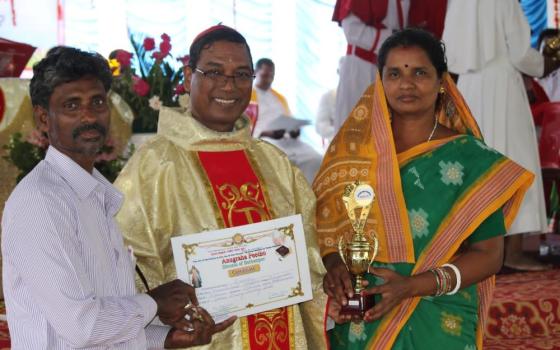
x=246 y=269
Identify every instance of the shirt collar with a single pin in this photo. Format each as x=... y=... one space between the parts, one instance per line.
x=82 y=182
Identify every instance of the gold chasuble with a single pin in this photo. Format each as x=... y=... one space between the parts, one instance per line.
x=189 y=179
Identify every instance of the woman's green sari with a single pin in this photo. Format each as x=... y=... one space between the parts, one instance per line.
x=432 y=182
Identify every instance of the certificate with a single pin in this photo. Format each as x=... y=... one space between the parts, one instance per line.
x=246 y=269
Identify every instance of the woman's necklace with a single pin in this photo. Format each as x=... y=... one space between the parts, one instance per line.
x=433 y=130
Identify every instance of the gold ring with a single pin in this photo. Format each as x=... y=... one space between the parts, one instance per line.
x=197 y=316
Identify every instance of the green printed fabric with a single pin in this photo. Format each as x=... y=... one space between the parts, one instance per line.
x=432 y=183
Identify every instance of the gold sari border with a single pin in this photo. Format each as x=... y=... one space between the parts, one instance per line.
x=418 y=150
x=388 y=185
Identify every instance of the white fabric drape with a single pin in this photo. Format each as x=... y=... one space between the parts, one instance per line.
x=491 y=83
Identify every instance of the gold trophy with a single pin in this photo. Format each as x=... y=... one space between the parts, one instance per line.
x=359 y=253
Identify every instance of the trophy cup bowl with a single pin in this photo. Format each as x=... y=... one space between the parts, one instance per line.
x=357 y=255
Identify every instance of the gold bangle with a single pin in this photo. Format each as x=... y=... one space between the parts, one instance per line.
x=438 y=283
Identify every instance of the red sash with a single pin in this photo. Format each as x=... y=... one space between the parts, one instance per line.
x=371 y=12
x=241 y=199
x=2 y=104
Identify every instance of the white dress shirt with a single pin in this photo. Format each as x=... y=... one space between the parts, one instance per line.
x=68 y=279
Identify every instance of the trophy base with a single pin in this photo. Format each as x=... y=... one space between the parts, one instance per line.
x=358 y=305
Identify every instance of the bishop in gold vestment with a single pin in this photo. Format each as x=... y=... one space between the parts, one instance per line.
x=169 y=191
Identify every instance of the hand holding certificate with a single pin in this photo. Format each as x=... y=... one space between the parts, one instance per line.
x=246 y=269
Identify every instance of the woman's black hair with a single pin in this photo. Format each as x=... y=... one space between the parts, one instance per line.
x=415 y=37
x=62 y=65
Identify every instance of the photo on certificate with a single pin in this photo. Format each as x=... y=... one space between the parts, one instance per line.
x=246 y=269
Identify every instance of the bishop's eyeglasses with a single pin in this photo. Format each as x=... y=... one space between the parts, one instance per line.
x=240 y=79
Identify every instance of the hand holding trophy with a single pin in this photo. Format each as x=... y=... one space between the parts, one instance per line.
x=360 y=252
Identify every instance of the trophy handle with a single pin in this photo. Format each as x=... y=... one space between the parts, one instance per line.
x=342 y=249
x=375 y=242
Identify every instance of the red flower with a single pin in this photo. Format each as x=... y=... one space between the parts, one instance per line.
x=123 y=57
x=38 y=138
x=180 y=89
x=140 y=86
x=165 y=38
x=184 y=60
x=158 y=55
x=149 y=44
x=165 y=47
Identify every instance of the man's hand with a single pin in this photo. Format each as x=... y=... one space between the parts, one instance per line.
x=333 y=312
x=202 y=327
x=337 y=283
x=171 y=299
x=395 y=289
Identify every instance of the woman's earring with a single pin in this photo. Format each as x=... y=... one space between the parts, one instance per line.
x=450 y=109
x=447 y=105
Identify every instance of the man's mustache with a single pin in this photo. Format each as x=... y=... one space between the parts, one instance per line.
x=86 y=127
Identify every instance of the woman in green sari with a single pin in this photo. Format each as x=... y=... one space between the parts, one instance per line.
x=443 y=202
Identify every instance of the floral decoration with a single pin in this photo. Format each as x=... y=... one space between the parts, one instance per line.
x=451 y=173
x=418 y=222
x=357 y=332
x=451 y=324
x=515 y=326
x=147 y=79
x=26 y=153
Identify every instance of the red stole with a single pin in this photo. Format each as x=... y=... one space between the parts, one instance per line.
x=240 y=196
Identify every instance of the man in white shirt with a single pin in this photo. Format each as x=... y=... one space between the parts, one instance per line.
x=270 y=103
x=68 y=279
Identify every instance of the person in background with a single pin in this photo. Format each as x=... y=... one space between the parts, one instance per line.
x=428 y=15
x=270 y=103
x=68 y=278
x=489 y=62
x=550 y=83
x=324 y=124
x=283 y=132
x=366 y=25
x=203 y=171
